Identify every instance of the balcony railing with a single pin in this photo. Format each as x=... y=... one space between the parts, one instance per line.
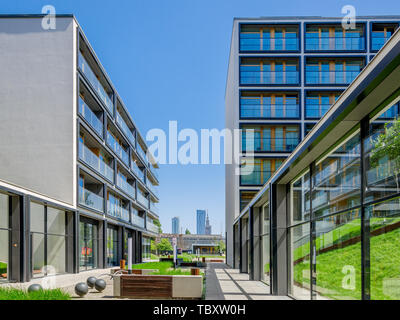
x=337 y=43
x=138 y=220
x=154 y=208
x=118 y=149
x=137 y=171
x=86 y=155
x=142 y=153
x=151 y=227
x=269 y=111
x=316 y=110
x=268 y=144
x=331 y=77
x=90 y=199
x=125 y=128
x=255 y=177
x=142 y=199
x=154 y=172
x=90 y=117
x=97 y=86
x=151 y=187
x=118 y=212
x=253 y=42
x=377 y=41
x=269 y=77
x=126 y=186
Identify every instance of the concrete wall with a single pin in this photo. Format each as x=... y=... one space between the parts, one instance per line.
x=37 y=127
x=231 y=121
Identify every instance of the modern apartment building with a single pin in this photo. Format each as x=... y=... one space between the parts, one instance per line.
x=284 y=73
x=201 y=221
x=76 y=180
x=175 y=225
x=326 y=225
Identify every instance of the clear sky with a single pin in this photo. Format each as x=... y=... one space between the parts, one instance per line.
x=168 y=60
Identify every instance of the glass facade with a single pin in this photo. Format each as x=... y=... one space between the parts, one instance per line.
x=88 y=242
x=258 y=171
x=112 y=246
x=146 y=248
x=381 y=33
x=245 y=198
x=266 y=245
x=318 y=103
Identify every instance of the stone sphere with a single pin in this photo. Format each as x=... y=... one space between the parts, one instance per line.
x=81 y=289
x=100 y=285
x=91 y=281
x=35 y=287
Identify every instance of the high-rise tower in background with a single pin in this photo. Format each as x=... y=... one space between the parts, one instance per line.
x=175 y=225
x=208 y=226
x=201 y=221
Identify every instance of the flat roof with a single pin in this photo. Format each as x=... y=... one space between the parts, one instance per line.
x=294 y=18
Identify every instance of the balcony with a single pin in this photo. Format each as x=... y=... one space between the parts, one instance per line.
x=316 y=111
x=257 y=77
x=142 y=154
x=256 y=177
x=269 y=145
x=97 y=86
x=336 y=43
x=117 y=148
x=90 y=199
x=151 y=227
x=153 y=189
x=154 y=207
x=136 y=220
x=125 y=185
x=125 y=128
x=142 y=199
x=90 y=117
x=117 y=211
x=154 y=172
x=96 y=163
x=139 y=173
x=269 y=111
x=331 y=77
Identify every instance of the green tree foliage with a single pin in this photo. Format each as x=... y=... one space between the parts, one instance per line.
x=158 y=224
x=164 y=245
x=187 y=231
x=221 y=246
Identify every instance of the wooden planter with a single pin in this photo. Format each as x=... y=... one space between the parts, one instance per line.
x=158 y=286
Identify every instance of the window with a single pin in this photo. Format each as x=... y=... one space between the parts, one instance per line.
x=265 y=245
x=245 y=198
x=318 y=103
x=258 y=171
x=380 y=34
x=269 y=106
x=112 y=246
x=88 y=242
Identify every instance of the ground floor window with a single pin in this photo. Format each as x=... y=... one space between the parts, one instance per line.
x=146 y=248
x=112 y=246
x=4 y=237
x=88 y=243
x=265 y=246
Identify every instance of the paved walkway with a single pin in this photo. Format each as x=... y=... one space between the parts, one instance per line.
x=224 y=283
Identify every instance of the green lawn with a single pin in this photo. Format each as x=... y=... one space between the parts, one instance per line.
x=164 y=268
x=331 y=275
x=17 y=294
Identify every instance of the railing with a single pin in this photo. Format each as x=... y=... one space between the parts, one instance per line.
x=269 y=111
x=142 y=199
x=125 y=128
x=90 y=199
x=253 y=177
x=137 y=220
x=95 y=162
x=142 y=153
x=268 y=144
x=118 y=212
x=97 y=86
x=137 y=171
x=126 y=186
x=152 y=227
x=316 y=110
x=154 y=208
x=151 y=187
x=90 y=117
x=154 y=172
x=118 y=149
x=315 y=43
x=331 y=77
x=269 y=77
x=377 y=41
x=253 y=42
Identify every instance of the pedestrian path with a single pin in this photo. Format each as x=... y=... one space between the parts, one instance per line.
x=224 y=283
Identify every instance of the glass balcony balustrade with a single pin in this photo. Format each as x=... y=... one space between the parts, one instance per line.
x=151 y=227
x=137 y=220
x=154 y=171
x=378 y=40
x=96 y=163
x=254 y=177
x=97 y=86
x=154 y=207
x=331 y=77
x=268 y=144
x=326 y=43
x=125 y=185
x=251 y=75
x=152 y=187
x=142 y=199
x=139 y=173
x=142 y=153
x=125 y=128
x=316 y=110
x=117 y=211
x=270 y=111
x=254 y=42
x=90 y=117
x=90 y=199
x=118 y=149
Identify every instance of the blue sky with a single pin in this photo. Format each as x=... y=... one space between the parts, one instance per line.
x=168 y=60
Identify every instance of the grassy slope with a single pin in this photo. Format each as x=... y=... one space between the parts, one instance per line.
x=17 y=294
x=164 y=268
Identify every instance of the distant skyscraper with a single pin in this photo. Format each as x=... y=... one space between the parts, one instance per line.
x=208 y=226
x=201 y=221
x=175 y=225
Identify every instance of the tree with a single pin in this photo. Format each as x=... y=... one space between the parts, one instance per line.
x=164 y=245
x=153 y=246
x=187 y=231
x=158 y=224
x=385 y=151
x=221 y=246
